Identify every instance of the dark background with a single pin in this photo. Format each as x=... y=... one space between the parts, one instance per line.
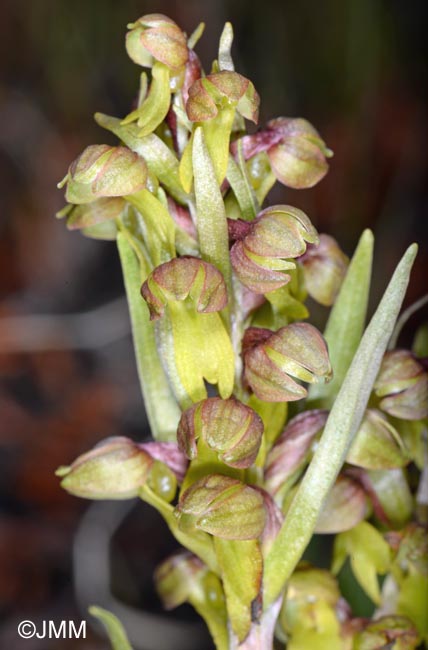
x=355 y=68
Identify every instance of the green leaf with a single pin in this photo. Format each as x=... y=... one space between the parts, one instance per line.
x=114 y=628
x=342 y=424
x=237 y=177
x=160 y=160
x=162 y=410
x=346 y=322
x=413 y=601
x=210 y=213
x=369 y=555
x=241 y=568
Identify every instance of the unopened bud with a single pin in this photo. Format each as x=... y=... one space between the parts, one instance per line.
x=395 y=632
x=222 y=506
x=182 y=278
x=402 y=385
x=276 y=237
x=228 y=427
x=117 y=468
x=209 y=94
x=114 y=469
x=299 y=159
x=345 y=507
x=104 y=171
x=291 y=450
x=325 y=267
x=298 y=350
x=377 y=445
x=157 y=37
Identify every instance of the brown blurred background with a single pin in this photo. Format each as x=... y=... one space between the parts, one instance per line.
x=355 y=68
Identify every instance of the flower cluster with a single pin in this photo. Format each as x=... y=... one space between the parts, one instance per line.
x=231 y=372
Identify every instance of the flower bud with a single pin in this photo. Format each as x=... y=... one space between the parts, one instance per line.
x=395 y=632
x=97 y=212
x=402 y=384
x=228 y=427
x=325 y=267
x=299 y=159
x=209 y=94
x=117 y=468
x=104 y=171
x=377 y=445
x=176 y=576
x=345 y=507
x=292 y=449
x=182 y=278
x=264 y=251
x=297 y=349
x=156 y=36
x=222 y=506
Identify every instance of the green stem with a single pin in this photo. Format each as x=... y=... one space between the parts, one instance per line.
x=162 y=410
x=342 y=424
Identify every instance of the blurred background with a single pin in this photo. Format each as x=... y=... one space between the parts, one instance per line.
x=355 y=68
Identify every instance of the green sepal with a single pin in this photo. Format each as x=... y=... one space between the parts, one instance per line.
x=114 y=628
x=241 y=567
x=155 y=106
x=159 y=227
x=369 y=555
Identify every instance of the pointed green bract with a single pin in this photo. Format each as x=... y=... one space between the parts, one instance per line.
x=162 y=410
x=210 y=213
x=345 y=325
x=114 y=628
x=241 y=568
x=342 y=424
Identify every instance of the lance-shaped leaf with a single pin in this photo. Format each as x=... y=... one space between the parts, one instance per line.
x=228 y=427
x=156 y=37
x=184 y=578
x=402 y=384
x=297 y=349
x=155 y=106
x=116 y=469
x=369 y=555
x=97 y=212
x=325 y=267
x=290 y=452
x=341 y=426
x=114 y=628
x=104 y=171
x=299 y=159
x=344 y=508
x=270 y=242
x=222 y=506
x=377 y=444
x=346 y=321
x=395 y=632
x=210 y=212
x=181 y=278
